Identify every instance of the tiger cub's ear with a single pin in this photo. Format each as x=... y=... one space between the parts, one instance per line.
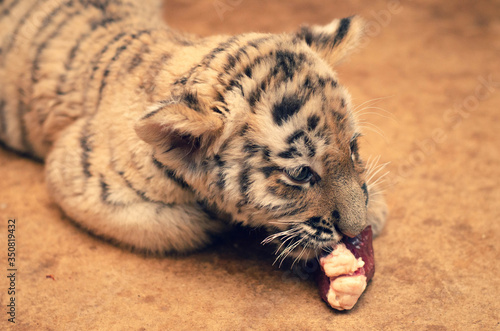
x=181 y=127
x=333 y=42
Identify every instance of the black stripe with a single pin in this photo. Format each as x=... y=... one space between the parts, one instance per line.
x=36 y=62
x=107 y=70
x=86 y=148
x=13 y=36
x=96 y=59
x=255 y=43
x=230 y=62
x=284 y=190
x=290 y=153
x=310 y=146
x=294 y=136
x=288 y=63
x=188 y=98
x=48 y=19
x=254 y=96
x=136 y=60
x=291 y=212
x=153 y=71
x=191 y=100
x=342 y=103
x=245 y=182
x=99 y=4
x=102 y=5
x=73 y=51
x=220 y=98
x=313 y=221
x=221 y=48
x=266 y=153
x=341 y=31
x=248 y=71
x=141 y=194
x=68 y=65
x=207 y=59
x=294 y=187
x=273 y=190
x=221 y=175
x=22 y=109
x=323 y=40
x=339 y=119
x=308 y=84
x=243 y=130
x=236 y=57
x=240 y=204
x=94 y=63
x=286 y=108
x=250 y=148
x=152 y=113
x=354 y=145
x=312 y=122
x=3 y=123
x=164 y=103
x=221 y=179
x=208 y=208
x=218 y=161
x=236 y=83
x=9 y=8
x=289 y=209
x=267 y=171
x=322 y=81
x=319 y=225
x=218 y=111
x=365 y=191
x=171 y=174
x=104 y=189
x=306 y=35
x=182 y=80
x=274 y=208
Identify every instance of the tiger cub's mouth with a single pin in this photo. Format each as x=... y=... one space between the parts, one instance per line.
x=303 y=243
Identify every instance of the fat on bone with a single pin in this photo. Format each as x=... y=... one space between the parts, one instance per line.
x=345 y=272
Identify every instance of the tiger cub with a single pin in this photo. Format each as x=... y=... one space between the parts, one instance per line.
x=160 y=140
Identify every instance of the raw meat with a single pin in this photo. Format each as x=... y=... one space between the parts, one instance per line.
x=346 y=271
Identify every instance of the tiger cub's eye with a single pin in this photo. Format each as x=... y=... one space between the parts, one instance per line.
x=300 y=175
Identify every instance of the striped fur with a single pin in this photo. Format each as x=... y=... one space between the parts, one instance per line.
x=160 y=140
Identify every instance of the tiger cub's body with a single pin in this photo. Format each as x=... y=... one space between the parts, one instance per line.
x=159 y=140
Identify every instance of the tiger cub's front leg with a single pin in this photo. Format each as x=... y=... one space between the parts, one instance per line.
x=114 y=204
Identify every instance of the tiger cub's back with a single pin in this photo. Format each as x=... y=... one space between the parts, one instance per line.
x=48 y=49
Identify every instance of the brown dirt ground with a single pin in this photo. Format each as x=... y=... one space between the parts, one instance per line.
x=423 y=68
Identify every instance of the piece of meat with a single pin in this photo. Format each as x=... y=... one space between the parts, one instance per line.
x=345 y=272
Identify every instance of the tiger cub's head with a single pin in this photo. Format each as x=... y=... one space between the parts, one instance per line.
x=262 y=130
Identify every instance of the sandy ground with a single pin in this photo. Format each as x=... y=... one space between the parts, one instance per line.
x=430 y=74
